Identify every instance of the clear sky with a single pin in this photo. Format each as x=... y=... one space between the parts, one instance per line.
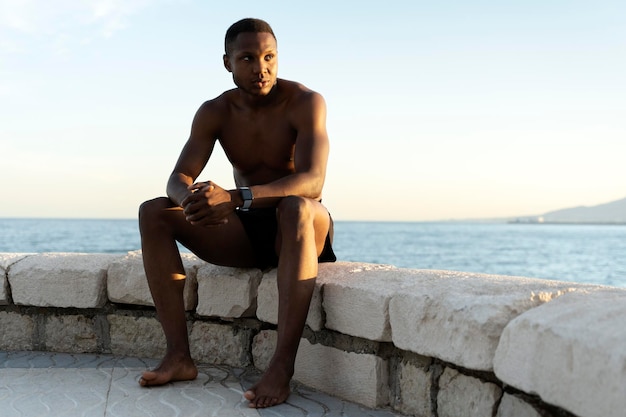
x=437 y=109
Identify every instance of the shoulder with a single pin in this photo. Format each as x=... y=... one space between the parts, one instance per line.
x=297 y=91
x=302 y=97
x=211 y=114
x=219 y=104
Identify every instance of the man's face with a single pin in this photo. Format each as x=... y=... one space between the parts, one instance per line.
x=253 y=61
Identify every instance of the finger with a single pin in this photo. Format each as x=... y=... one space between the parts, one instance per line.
x=198 y=186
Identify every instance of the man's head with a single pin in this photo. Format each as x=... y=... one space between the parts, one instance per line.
x=248 y=25
x=251 y=56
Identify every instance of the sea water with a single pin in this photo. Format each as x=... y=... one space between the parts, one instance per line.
x=580 y=253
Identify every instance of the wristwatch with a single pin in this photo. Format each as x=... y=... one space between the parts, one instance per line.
x=246 y=194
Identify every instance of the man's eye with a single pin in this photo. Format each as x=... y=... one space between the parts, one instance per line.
x=246 y=58
x=269 y=57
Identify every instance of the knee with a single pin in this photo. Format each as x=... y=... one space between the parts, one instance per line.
x=151 y=210
x=295 y=211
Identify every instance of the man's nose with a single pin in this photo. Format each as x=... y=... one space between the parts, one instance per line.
x=259 y=66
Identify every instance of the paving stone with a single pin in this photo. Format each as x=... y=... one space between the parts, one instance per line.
x=47 y=384
x=127 y=284
x=462 y=395
x=458 y=316
x=16 y=331
x=570 y=352
x=214 y=390
x=227 y=292
x=60 y=280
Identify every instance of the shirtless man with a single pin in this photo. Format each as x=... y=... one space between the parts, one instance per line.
x=273 y=132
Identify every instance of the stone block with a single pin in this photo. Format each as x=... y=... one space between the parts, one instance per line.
x=72 y=334
x=16 y=331
x=570 y=352
x=6 y=260
x=357 y=295
x=212 y=343
x=263 y=347
x=61 y=280
x=511 y=406
x=127 y=284
x=267 y=300
x=414 y=383
x=458 y=317
x=136 y=336
x=361 y=378
x=462 y=395
x=227 y=292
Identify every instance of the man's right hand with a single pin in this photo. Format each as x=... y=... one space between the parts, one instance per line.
x=207 y=204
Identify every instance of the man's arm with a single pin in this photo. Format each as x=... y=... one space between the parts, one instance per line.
x=310 y=158
x=195 y=153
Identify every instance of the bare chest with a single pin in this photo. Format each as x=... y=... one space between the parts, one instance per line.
x=259 y=143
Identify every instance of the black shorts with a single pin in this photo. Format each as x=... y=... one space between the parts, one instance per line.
x=261 y=227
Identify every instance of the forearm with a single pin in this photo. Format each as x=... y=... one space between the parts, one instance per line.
x=299 y=184
x=177 y=187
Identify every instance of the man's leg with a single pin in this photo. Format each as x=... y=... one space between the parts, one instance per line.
x=161 y=223
x=303 y=225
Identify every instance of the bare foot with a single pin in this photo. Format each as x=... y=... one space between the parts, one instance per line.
x=172 y=368
x=271 y=390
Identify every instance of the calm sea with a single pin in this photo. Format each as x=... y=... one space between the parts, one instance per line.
x=581 y=253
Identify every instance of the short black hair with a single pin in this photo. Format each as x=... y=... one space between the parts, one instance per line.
x=245 y=25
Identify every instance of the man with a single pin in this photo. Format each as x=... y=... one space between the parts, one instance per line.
x=273 y=131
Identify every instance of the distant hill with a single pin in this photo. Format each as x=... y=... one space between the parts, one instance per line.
x=613 y=212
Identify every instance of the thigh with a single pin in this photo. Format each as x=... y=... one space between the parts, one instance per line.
x=226 y=244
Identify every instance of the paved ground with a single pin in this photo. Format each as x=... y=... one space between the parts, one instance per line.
x=38 y=384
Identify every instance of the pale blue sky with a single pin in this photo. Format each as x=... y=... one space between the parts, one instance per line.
x=437 y=110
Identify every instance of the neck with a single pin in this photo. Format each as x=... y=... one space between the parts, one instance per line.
x=260 y=100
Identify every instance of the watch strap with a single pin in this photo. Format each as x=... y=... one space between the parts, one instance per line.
x=246 y=195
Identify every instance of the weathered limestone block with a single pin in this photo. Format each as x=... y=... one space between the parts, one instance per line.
x=219 y=344
x=9 y=258
x=127 y=284
x=357 y=295
x=227 y=292
x=263 y=347
x=73 y=334
x=60 y=280
x=6 y=260
x=136 y=336
x=511 y=406
x=361 y=378
x=16 y=331
x=461 y=395
x=570 y=352
x=267 y=308
x=458 y=317
x=415 y=385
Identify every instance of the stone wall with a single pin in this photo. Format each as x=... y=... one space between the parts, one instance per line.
x=421 y=342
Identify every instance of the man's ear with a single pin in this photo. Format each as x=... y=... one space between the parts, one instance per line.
x=227 y=63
